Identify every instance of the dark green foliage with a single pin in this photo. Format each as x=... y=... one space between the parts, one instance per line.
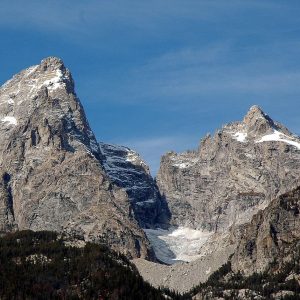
x=38 y=265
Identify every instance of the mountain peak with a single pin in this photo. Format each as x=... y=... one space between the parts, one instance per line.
x=254 y=112
x=257 y=121
x=52 y=62
x=47 y=144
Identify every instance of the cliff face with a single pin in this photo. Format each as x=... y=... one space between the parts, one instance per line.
x=127 y=170
x=232 y=175
x=272 y=237
x=52 y=176
x=55 y=176
x=266 y=261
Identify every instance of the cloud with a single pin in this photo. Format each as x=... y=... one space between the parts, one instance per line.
x=93 y=16
x=184 y=61
x=224 y=66
x=208 y=72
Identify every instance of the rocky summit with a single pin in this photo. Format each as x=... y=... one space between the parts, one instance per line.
x=52 y=175
x=235 y=199
x=220 y=188
x=232 y=175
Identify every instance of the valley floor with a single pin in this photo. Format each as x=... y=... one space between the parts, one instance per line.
x=182 y=276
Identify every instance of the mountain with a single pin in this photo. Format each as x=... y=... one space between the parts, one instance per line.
x=266 y=262
x=233 y=201
x=127 y=170
x=272 y=236
x=218 y=190
x=232 y=175
x=52 y=175
x=225 y=284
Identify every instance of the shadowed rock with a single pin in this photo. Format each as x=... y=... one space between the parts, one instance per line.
x=127 y=170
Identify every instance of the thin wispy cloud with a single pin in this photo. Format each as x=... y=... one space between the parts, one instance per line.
x=147 y=69
x=192 y=74
x=68 y=16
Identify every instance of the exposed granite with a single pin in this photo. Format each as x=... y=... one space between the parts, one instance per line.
x=272 y=236
x=52 y=176
x=232 y=175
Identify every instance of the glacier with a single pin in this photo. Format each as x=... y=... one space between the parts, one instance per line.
x=182 y=244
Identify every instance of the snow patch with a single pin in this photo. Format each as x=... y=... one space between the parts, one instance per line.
x=9 y=120
x=142 y=203
x=30 y=70
x=55 y=82
x=112 y=147
x=93 y=144
x=240 y=136
x=7 y=83
x=278 y=136
x=114 y=158
x=180 y=244
x=132 y=156
x=184 y=163
x=250 y=155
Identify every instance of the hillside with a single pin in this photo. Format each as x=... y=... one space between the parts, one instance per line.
x=266 y=263
x=41 y=265
x=52 y=175
x=225 y=284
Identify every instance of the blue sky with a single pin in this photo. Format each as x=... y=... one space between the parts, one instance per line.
x=157 y=75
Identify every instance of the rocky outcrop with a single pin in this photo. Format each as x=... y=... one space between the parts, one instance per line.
x=266 y=259
x=232 y=175
x=272 y=237
x=52 y=176
x=220 y=187
x=127 y=170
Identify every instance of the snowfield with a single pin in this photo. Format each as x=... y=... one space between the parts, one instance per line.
x=9 y=120
x=240 y=136
x=278 y=136
x=177 y=244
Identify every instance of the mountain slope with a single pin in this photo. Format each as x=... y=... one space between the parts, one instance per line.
x=40 y=265
x=272 y=237
x=225 y=284
x=52 y=176
x=127 y=170
x=232 y=174
x=218 y=188
x=266 y=261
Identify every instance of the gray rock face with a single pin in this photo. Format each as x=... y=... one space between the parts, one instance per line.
x=127 y=170
x=52 y=176
x=272 y=236
x=227 y=187
x=232 y=175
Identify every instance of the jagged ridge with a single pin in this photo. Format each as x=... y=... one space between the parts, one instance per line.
x=127 y=170
x=52 y=173
x=232 y=174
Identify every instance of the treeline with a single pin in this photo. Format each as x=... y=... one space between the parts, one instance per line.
x=38 y=265
x=280 y=277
